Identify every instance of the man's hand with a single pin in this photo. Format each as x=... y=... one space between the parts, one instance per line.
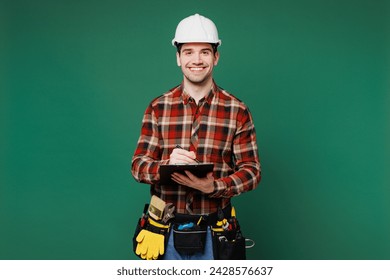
x=205 y=185
x=181 y=156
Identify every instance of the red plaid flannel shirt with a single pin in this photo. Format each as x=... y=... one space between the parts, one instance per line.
x=219 y=129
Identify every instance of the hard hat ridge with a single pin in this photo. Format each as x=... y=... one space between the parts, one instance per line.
x=196 y=29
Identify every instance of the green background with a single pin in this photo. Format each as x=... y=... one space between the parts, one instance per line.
x=76 y=77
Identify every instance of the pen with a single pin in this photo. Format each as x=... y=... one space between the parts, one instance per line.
x=179 y=147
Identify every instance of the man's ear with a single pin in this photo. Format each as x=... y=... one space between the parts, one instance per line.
x=216 y=58
x=178 y=59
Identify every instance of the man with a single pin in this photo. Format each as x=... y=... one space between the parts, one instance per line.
x=197 y=121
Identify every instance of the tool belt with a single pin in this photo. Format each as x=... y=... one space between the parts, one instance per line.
x=228 y=241
x=189 y=234
x=190 y=231
x=209 y=219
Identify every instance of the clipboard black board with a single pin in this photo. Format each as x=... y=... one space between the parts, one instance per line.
x=199 y=170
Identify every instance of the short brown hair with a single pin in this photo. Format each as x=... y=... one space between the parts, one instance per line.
x=213 y=46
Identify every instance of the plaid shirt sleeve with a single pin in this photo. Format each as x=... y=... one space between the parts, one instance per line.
x=147 y=157
x=247 y=173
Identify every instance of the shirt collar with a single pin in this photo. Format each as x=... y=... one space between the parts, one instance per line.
x=208 y=98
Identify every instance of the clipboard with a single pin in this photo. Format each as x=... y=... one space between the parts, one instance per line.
x=199 y=170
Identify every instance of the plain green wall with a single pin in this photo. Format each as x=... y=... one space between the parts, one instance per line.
x=76 y=77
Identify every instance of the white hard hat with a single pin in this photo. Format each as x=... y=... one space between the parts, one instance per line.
x=196 y=29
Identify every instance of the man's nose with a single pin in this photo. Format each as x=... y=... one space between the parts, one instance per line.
x=198 y=58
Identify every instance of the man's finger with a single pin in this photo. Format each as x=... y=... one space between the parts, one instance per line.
x=179 y=178
x=190 y=175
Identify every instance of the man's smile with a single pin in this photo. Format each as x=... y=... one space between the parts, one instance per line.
x=197 y=68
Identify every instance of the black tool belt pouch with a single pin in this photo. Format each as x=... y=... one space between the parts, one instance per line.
x=189 y=240
x=229 y=245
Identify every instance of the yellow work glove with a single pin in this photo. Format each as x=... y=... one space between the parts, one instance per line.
x=150 y=245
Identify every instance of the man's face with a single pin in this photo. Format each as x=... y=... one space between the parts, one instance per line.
x=197 y=61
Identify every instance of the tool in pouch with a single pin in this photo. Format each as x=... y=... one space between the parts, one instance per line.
x=189 y=237
x=152 y=231
x=228 y=241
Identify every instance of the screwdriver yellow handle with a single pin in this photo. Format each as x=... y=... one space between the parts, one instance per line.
x=233 y=212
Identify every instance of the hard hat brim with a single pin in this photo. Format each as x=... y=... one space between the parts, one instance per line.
x=174 y=42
